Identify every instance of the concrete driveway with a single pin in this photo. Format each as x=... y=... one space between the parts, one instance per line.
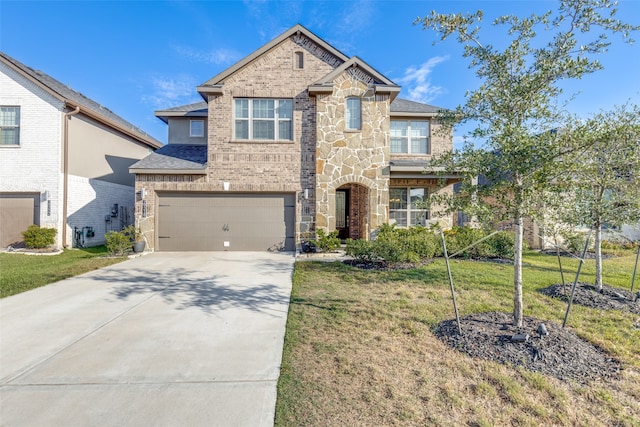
x=167 y=339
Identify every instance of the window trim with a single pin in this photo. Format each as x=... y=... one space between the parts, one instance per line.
x=408 y=137
x=347 y=114
x=277 y=120
x=15 y=126
x=191 y=134
x=408 y=210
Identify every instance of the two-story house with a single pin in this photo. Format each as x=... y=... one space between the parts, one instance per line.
x=295 y=137
x=64 y=160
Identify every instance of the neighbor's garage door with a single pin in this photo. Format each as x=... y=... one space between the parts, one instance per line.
x=17 y=212
x=217 y=222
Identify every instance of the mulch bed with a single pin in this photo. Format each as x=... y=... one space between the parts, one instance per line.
x=586 y=294
x=385 y=266
x=560 y=354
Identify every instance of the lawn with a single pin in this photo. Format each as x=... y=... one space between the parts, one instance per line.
x=20 y=272
x=359 y=349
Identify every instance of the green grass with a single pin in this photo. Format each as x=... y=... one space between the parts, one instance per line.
x=20 y=272
x=359 y=348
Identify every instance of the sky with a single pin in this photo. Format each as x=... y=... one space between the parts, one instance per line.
x=137 y=57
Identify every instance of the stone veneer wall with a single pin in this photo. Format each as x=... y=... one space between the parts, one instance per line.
x=345 y=156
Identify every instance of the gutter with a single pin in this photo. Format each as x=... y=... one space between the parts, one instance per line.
x=65 y=172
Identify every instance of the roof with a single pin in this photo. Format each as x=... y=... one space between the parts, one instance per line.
x=213 y=84
x=419 y=169
x=74 y=99
x=199 y=109
x=400 y=105
x=176 y=158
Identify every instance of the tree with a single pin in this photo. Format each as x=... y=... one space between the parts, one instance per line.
x=602 y=181
x=514 y=106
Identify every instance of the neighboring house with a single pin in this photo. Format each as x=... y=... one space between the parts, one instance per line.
x=64 y=160
x=293 y=138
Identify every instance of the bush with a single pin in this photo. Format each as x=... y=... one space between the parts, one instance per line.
x=120 y=242
x=36 y=237
x=575 y=240
x=361 y=250
x=502 y=245
x=327 y=242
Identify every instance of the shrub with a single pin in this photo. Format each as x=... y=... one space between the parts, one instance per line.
x=502 y=245
x=327 y=242
x=37 y=237
x=361 y=250
x=575 y=240
x=119 y=242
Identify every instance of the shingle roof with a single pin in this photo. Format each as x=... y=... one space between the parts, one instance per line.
x=198 y=109
x=400 y=105
x=176 y=157
x=66 y=93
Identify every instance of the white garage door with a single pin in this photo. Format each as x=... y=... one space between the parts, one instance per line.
x=218 y=222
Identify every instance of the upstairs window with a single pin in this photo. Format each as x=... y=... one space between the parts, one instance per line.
x=353 y=114
x=263 y=119
x=298 y=60
x=196 y=128
x=410 y=136
x=9 y=125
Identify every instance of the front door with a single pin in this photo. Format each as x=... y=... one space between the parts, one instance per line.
x=342 y=213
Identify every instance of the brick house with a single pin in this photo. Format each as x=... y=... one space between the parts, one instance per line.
x=64 y=160
x=293 y=138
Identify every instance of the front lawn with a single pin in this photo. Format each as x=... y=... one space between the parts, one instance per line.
x=20 y=272
x=360 y=351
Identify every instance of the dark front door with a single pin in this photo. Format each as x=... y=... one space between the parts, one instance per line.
x=342 y=213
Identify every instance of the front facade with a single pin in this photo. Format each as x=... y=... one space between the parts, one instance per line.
x=63 y=160
x=295 y=137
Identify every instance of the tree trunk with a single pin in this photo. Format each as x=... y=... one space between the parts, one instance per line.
x=517 y=273
x=598 y=244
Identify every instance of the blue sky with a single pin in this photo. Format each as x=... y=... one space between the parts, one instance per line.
x=135 y=57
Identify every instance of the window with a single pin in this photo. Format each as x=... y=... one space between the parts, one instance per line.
x=353 y=114
x=405 y=206
x=410 y=136
x=196 y=128
x=264 y=119
x=298 y=63
x=9 y=125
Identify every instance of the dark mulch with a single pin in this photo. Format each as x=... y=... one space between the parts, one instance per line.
x=586 y=294
x=385 y=266
x=560 y=354
x=588 y=255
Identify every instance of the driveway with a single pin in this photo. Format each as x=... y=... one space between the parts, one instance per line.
x=167 y=339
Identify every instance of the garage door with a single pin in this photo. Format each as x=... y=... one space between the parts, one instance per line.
x=218 y=222
x=17 y=212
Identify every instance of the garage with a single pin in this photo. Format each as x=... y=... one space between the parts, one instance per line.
x=17 y=212
x=221 y=222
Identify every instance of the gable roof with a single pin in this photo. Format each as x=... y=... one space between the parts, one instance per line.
x=74 y=99
x=213 y=85
x=174 y=158
x=198 y=109
x=405 y=107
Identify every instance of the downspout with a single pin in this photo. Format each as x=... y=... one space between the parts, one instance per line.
x=65 y=172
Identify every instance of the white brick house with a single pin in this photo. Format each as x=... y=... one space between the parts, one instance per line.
x=63 y=160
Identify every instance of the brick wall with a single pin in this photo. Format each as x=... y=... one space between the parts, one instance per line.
x=91 y=203
x=34 y=166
